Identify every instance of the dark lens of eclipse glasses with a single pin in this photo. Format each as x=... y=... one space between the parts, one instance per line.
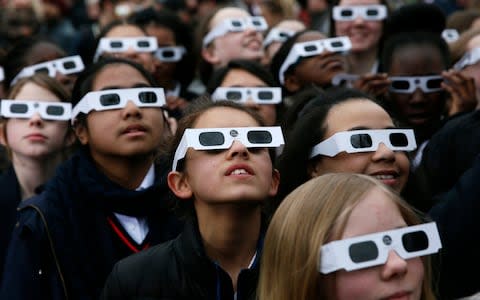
x=213 y=138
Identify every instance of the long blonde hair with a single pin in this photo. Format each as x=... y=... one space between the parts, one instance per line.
x=311 y=215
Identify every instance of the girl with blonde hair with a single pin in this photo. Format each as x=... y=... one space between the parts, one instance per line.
x=303 y=257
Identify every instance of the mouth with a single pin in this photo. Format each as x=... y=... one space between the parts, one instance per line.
x=398 y=296
x=387 y=177
x=253 y=44
x=134 y=130
x=36 y=137
x=239 y=170
x=332 y=63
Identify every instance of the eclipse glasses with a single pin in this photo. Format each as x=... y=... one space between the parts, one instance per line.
x=372 y=249
x=118 y=45
x=48 y=110
x=223 y=138
x=235 y=25
x=355 y=141
x=118 y=98
x=366 y=12
x=66 y=65
x=311 y=48
x=259 y=95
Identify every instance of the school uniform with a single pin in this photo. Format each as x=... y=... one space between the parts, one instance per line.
x=10 y=198
x=69 y=237
x=180 y=270
x=458 y=218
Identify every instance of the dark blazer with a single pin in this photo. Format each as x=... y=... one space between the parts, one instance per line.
x=178 y=269
x=10 y=198
x=64 y=245
x=458 y=218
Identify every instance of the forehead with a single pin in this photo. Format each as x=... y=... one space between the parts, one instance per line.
x=239 y=77
x=311 y=36
x=44 y=52
x=474 y=42
x=416 y=60
x=291 y=25
x=224 y=117
x=358 y=2
x=125 y=31
x=120 y=76
x=375 y=212
x=357 y=113
x=228 y=13
x=33 y=91
x=163 y=34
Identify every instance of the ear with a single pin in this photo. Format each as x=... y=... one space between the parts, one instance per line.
x=178 y=184
x=292 y=83
x=313 y=169
x=275 y=183
x=209 y=54
x=3 y=134
x=70 y=138
x=81 y=132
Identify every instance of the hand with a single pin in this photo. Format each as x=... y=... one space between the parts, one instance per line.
x=176 y=103
x=373 y=84
x=462 y=92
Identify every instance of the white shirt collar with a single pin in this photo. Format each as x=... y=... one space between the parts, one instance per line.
x=148 y=180
x=175 y=92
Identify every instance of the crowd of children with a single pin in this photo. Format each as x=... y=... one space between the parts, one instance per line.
x=239 y=150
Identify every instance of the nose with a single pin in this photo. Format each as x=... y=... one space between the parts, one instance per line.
x=131 y=110
x=417 y=96
x=383 y=153
x=358 y=20
x=252 y=104
x=394 y=266
x=237 y=149
x=63 y=79
x=35 y=120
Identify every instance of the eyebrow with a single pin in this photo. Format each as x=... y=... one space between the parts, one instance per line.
x=244 y=86
x=116 y=87
x=368 y=128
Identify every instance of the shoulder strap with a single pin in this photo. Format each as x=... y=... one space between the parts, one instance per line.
x=52 y=249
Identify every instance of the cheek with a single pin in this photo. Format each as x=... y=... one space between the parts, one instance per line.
x=341 y=28
x=269 y=114
x=59 y=129
x=345 y=162
x=399 y=100
x=375 y=29
x=474 y=72
x=361 y=284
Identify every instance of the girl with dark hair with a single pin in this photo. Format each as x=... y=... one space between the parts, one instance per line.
x=423 y=93
x=221 y=188
x=126 y=40
x=248 y=82
x=308 y=58
x=363 y=21
x=174 y=58
x=295 y=69
x=324 y=140
x=40 y=55
x=107 y=201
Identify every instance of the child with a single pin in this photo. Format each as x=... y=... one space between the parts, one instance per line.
x=347 y=236
x=106 y=202
x=248 y=82
x=221 y=185
x=36 y=140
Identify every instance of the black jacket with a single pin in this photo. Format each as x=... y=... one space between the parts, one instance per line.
x=64 y=245
x=458 y=218
x=10 y=198
x=178 y=269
